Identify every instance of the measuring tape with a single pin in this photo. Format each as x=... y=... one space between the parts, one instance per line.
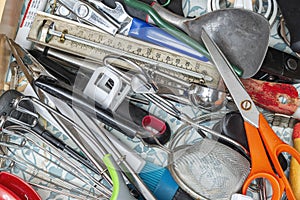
x=90 y=42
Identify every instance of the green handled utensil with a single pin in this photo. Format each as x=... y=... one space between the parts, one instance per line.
x=242 y=35
x=172 y=29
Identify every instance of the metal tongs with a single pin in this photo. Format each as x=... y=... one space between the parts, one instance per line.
x=22 y=117
x=84 y=140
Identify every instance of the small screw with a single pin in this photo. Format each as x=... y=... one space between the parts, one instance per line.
x=282 y=99
x=271 y=78
x=246 y=105
x=82 y=11
x=62 y=37
x=292 y=64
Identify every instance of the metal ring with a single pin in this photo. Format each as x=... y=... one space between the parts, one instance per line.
x=270 y=14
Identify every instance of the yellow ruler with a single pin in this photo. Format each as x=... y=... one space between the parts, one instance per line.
x=90 y=42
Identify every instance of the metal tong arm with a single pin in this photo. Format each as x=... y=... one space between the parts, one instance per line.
x=100 y=135
x=28 y=64
x=84 y=139
x=30 y=136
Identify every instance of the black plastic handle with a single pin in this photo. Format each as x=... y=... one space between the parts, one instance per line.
x=232 y=126
x=141 y=117
x=75 y=98
x=280 y=67
x=65 y=72
x=290 y=10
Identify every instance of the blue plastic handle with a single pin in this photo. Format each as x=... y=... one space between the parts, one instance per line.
x=146 y=32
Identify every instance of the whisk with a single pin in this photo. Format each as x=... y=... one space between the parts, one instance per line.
x=39 y=163
x=44 y=160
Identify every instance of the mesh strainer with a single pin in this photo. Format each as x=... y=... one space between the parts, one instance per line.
x=209 y=169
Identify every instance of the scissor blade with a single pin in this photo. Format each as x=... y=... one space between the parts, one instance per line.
x=241 y=98
x=31 y=68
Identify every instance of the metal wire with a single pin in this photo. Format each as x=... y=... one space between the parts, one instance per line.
x=77 y=183
x=166 y=106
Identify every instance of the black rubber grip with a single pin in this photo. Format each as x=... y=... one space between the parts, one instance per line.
x=290 y=10
x=49 y=137
x=182 y=195
x=232 y=126
x=73 y=98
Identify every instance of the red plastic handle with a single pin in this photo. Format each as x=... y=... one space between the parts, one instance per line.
x=276 y=97
x=154 y=124
x=18 y=186
x=7 y=194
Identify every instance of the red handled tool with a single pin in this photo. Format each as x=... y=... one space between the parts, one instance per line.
x=277 y=97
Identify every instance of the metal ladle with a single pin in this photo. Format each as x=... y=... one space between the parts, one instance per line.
x=242 y=35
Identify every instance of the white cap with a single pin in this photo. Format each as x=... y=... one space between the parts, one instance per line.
x=240 y=197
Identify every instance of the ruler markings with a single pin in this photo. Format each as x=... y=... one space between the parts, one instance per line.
x=101 y=44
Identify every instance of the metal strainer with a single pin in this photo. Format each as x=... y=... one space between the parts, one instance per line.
x=209 y=169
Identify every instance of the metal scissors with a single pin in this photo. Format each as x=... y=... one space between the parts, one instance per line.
x=264 y=144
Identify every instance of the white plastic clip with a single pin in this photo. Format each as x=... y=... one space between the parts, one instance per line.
x=106 y=88
x=240 y=197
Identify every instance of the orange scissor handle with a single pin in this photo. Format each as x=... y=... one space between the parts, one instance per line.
x=274 y=146
x=260 y=164
x=276 y=188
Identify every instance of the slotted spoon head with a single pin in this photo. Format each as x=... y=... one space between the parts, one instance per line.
x=209 y=169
